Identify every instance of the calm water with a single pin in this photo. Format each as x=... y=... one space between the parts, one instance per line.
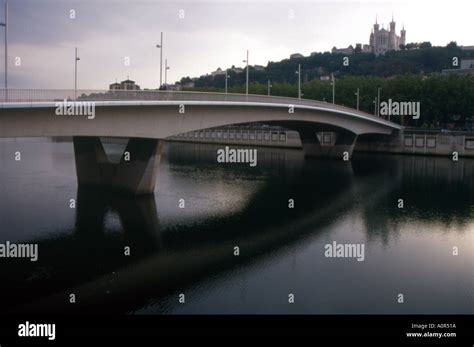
x=190 y=250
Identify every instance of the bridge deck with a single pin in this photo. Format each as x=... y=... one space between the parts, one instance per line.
x=37 y=98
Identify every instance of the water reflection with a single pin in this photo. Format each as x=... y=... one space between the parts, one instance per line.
x=192 y=250
x=435 y=192
x=90 y=249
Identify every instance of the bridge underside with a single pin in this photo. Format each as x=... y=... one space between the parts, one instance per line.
x=342 y=148
x=137 y=170
x=134 y=174
x=146 y=124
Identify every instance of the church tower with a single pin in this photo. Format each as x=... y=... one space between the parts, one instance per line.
x=376 y=26
x=374 y=36
x=392 y=39
x=392 y=25
x=403 y=34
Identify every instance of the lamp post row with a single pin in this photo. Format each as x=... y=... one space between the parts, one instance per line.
x=160 y=46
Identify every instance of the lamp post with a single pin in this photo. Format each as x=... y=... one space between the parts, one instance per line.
x=160 y=46
x=299 y=80
x=5 y=24
x=333 y=83
x=358 y=95
x=226 y=77
x=269 y=87
x=76 y=59
x=247 y=78
x=378 y=101
x=166 y=71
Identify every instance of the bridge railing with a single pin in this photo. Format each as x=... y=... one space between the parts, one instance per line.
x=56 y=95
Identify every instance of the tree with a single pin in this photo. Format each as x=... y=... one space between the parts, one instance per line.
x=425 y=44
x=452 y=44
x=186 y=79
x=411 y=45
x=426 y=61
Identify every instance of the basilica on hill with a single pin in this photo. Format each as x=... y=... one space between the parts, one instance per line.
x=381 y=40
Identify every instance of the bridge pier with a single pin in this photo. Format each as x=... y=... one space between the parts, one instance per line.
x=135 y=173
x=312 y=147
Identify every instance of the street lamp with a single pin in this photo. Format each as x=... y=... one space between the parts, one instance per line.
x=160 y=46
x=226 y=78
x=375 y=106
x=333 y=83
x=299 y=80
x=358 y=95
x=76 y=59
x=269 y=86
x=166 y=71
x=5 y=24
x=378 y=101
x=247 y=80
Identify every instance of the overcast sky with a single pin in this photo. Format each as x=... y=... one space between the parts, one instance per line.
x=212 y=34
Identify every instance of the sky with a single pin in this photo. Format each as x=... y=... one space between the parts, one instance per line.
x=117 y=39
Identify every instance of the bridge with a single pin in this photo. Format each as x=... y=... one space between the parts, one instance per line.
x=146 y=117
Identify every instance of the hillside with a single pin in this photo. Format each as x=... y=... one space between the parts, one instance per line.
x=424 y=60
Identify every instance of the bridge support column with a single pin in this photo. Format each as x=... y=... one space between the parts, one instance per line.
x=312 y=147
x=134 y=174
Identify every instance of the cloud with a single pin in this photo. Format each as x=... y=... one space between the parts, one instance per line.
x=212 y=34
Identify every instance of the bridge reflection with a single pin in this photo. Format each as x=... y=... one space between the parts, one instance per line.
x=89 y=260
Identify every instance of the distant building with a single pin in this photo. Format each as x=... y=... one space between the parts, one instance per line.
x=296 y=56
x=382 y=40
x=467 y=48
x=363 y=48
x=348 y=50
x=124 y=85
x=218 y=72
x=466 y=68
x=115 y=86
x=259 y=67
x=467 y=64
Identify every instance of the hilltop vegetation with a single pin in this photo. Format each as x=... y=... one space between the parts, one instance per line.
x=420 y=59
x=444 y=99
x=405 y=75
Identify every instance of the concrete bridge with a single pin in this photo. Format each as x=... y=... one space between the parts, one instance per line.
x=146 y=117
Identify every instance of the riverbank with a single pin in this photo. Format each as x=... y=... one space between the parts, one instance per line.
x=407 y=141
